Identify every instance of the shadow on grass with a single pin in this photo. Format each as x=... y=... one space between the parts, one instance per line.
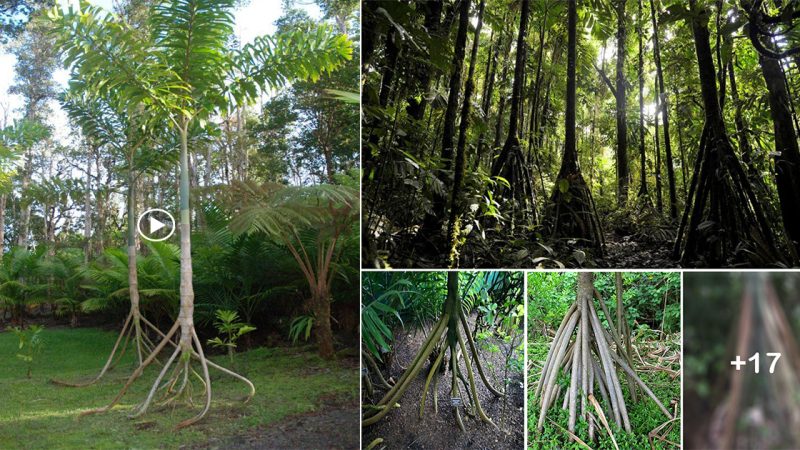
x=37 y=414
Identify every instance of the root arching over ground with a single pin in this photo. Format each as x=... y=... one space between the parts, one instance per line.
x=178 y=385
x=452 y=333
x=592 y=360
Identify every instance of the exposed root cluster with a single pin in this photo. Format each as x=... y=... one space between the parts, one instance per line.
x=592 y=359
x=722 y=211
x=166 y=390
x=447 y=334
x=573 y=213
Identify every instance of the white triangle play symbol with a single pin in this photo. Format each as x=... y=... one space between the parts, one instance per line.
x=155 y=225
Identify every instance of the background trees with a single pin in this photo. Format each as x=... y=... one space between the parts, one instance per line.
x=179 y=111
x=406 y=129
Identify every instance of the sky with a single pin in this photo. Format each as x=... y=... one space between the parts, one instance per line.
x=254 y=19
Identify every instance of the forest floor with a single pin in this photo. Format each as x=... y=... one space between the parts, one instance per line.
x=622 y=250
x=301 y=400
x=404 y=429
x=630 y=251
x=659 y=367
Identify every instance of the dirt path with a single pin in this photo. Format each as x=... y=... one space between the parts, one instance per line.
x=334 y=427
x=403 y=428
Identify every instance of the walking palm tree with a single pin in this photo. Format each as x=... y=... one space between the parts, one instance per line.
x=185 y=72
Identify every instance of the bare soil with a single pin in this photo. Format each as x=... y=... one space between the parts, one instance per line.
x=403 y=428
x=334 y=425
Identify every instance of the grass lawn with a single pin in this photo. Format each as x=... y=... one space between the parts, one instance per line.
x=35 y=413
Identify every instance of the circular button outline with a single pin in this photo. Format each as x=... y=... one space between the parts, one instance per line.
x=139 y=225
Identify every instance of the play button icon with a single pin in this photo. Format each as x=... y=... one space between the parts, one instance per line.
x=155 y=225
x=160 y=225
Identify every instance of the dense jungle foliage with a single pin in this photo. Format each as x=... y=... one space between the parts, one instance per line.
x=596 y=133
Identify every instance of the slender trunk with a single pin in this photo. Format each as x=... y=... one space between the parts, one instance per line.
x=664 y=104
x=787 y=153
x=488 y=92
x=623 y=174
x=2 y=224
x=570 y=162
x=186 y=315
x=657 y=145
x=25 y=207
x=434 y=221
x=87 y=208
x=516 y=90
x=501 y=108
x=209 y=168
x=459 y=52
x=640 y=72
x=433 y=23
x=741 y=131
x=720 y=64
x=329 y=170
x=458 y=175
x=682 y=152
x=133 y=276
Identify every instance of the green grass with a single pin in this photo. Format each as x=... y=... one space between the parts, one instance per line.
x=37 y=414
x=644 y=415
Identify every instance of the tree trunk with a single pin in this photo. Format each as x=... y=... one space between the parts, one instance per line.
x=787 y=159
x=741 y=131
x=133 y=275
x=501 y=108
x=186 y=315
x=2 y=224
x=458 y=175
x=25 y=207
x=516 y=91
x=433 y=23
x=87 y=208
x=657 y=145
x=640 y=72
x=511 y=164
x=488 y=92
x=664 y=106
x=570 y=161
x=433 y=222
x=722 y=215
x=571 y=208
x=623 y=173
x=322 y=328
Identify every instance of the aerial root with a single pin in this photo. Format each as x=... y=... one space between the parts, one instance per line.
x=375 y=369
x=390 y=398
x=431 y=374
x=136 y=373
x=476 y=358
x=197 y=356
x=181 y=372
